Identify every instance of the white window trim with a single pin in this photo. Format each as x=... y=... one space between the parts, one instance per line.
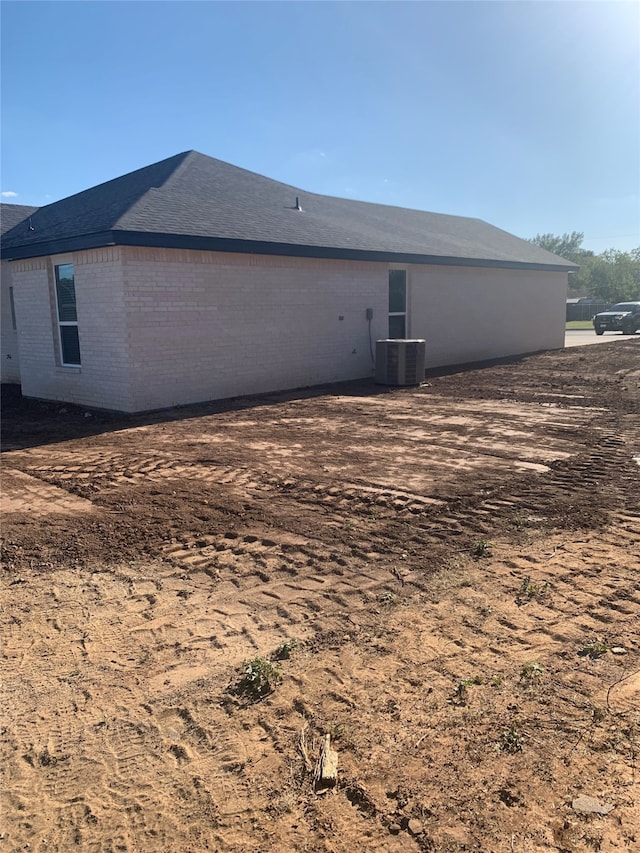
x=62 y=263
x=404 y=313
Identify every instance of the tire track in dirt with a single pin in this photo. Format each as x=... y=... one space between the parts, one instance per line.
x=485 y=660
x=268 y=590
x=412 y=654
x=61 y=776
x=261 y=576
x=23 y=493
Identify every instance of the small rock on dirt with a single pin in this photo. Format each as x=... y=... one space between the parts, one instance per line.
x=510 y=798
x=590 y=805
x=394 y=828
x=414 y=827
x=618 y=650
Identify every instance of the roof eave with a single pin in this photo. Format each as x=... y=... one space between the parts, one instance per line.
x=59 y=246
x=257 y=247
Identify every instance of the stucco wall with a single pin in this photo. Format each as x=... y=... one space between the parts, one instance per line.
x=9 y=355
x=470 y=314
x=205 y=325
x=103 y=378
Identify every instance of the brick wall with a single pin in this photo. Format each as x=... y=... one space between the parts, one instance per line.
x=162 y=327
x=103 y=379
x=470 y=314
x=205 y=325
x=9 y=356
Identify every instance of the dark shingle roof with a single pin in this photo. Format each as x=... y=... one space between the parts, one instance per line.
x=13 y=214
x=194 y=201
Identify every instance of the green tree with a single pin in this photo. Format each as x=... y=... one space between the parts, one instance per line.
x=568 y=246
x=613 y=275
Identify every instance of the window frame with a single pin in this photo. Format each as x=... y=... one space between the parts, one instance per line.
x=405 y=313
x=66 y=323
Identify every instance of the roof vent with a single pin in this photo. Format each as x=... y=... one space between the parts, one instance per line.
x=298 y=205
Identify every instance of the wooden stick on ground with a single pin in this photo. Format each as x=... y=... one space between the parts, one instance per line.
x=303 y=749
x=326 y=774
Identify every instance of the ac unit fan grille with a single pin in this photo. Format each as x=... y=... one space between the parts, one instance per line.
x=400 y=362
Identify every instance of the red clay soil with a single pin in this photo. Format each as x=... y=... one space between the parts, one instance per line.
x=445 y=580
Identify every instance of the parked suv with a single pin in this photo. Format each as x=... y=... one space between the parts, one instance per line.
x=623 y=317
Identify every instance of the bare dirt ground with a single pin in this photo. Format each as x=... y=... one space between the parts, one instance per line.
x=453 y=572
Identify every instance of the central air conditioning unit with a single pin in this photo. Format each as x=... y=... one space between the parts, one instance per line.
x=400 y=362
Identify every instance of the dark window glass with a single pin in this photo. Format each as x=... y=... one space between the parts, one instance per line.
x=66 y=294
x=397 y=326
x=70 y=344
x=397 y=291
x=13 y=309
x=67 y=314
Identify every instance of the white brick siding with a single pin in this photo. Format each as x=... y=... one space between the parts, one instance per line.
x=162 y=327
x=208 y=325
x=103 y=379
x=9 y=355
x=470 y=314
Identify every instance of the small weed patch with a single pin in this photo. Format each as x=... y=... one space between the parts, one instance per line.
x=259 y=679
x=511 y=740
x=481 y=548
x=529 y=591
x=531 y=672
x=285 y=651
x=461 y=692
x=593 y=650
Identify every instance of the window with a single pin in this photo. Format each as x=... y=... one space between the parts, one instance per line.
x=397 y=304
x=67 y=315
x=14 y=325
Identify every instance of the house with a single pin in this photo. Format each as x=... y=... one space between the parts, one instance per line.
x=10 y=216
x=192 y=279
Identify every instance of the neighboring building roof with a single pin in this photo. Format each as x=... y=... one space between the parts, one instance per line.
x=13 y=214
x=191 y=201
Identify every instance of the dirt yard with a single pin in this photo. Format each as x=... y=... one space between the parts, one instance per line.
x=448 y=575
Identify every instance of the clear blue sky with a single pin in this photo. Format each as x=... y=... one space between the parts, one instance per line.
x=525 y=114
